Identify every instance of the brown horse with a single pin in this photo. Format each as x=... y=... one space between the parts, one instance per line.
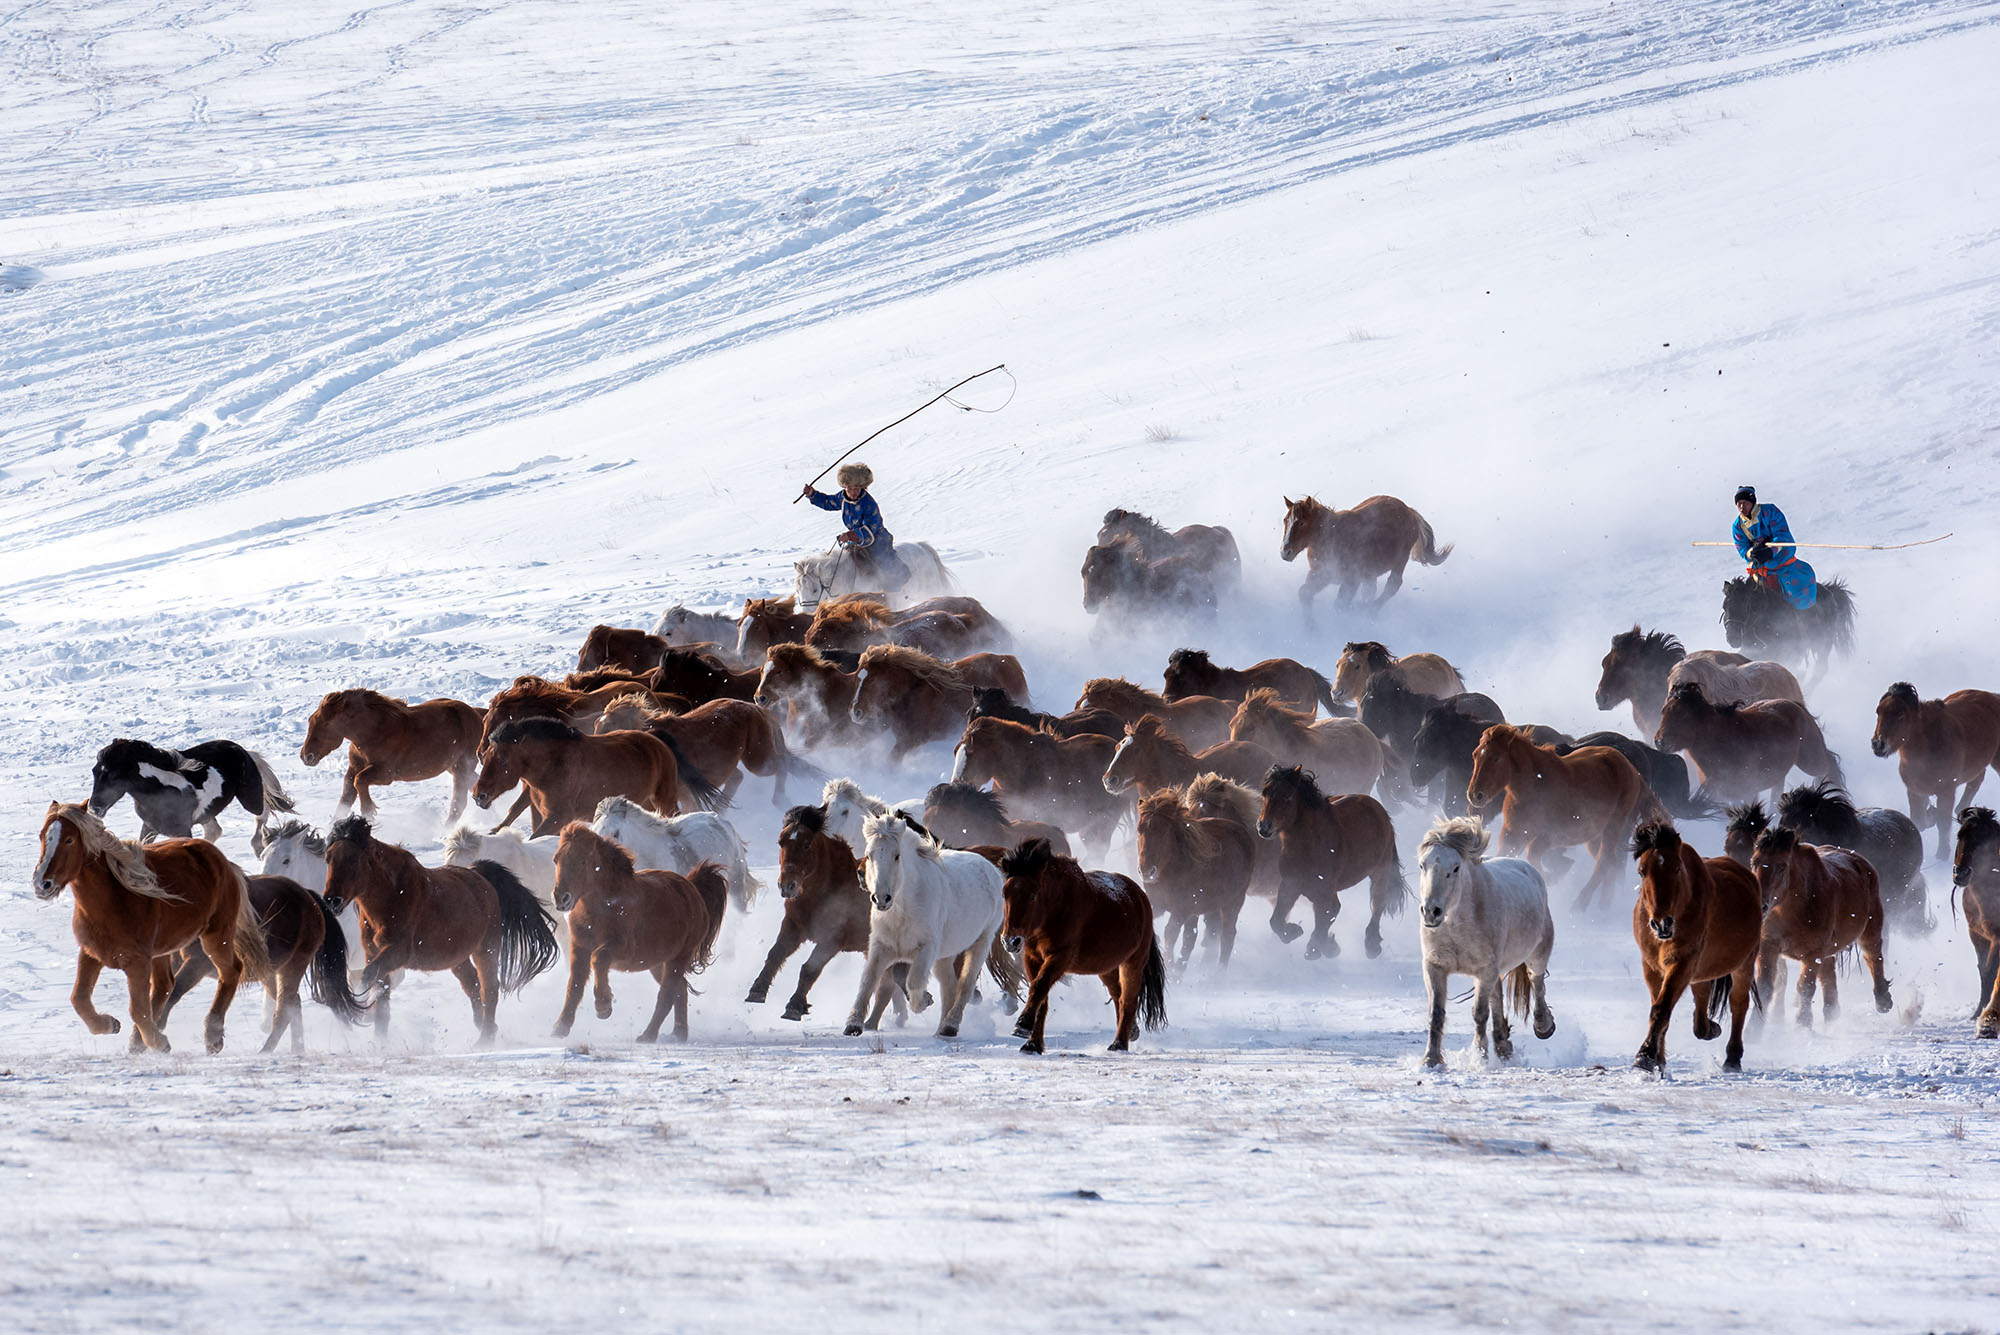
x=1210 y=546
x=767 y=622
x=815 y=695
x=136 y=906
x=825 y=904
x=702 y=678
x=619 y=647
x=1199 y=720
x=722 y=737
x=1190 y=672
x=1197 y=868
x=915 y=697
x=1590 y=796
x=1697 y=922
x=960 y=815
x=1942 y=744
x=1065 y=920
x=1213 y=796
x=1344 y=755
x=479 y=922
x=393 y=741
x=942 y=627
x=656 y=922
x=1325 y=845
x=1057 y=779
x=1362 y=660
x=1740 y=751
x=1380 y=536
x=1642 y=666
x=609 y=676
x=564 y=774
x=1150 y=757
x=536 y=697
x=1818 y=902
x=303 y=940
x=1975 y=867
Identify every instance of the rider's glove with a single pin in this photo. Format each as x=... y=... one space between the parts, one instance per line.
x=1761 y=553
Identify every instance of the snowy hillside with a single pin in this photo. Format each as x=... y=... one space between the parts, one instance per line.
x=397 y=346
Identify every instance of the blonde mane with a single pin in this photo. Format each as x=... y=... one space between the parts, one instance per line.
x=930 y=672
x=123 y=858
x=1465 y=834
x=1211 y=792
x=1266 y=703
x=792 y=656
x=1130 y=697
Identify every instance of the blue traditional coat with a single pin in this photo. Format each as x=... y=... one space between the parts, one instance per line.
x=1785 y=572
x=863 y=517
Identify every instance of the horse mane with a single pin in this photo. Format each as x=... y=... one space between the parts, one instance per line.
x=1372 y=654
x=935 y=673
x=1212 y=790
x=1124 y=546
x=1311 y=505
x=1155 y=729
x=1690 y=693
x=1824 y=804
x=123 y=858
x=1656 y=836
x=847 y=788
x=1027 y=859
x=460 y=840
x=1750 y=819
x=806 y=819
x=1466 y=835
x=132 y=751
x=1189 y=658
x=1650 y=644
x=312 y=840
x=1302 y=782
x=970 y=798
x=608 y=852
x=1265 y=700
x=1145 y=524
x=538 y=690
x=1903 y=694
x=784 y=606
x=792 y=655
x=1196 y=843
x=853 y=610
x=598 y=678
x=1978 y=823
x=536 y=730
x=1130 y=694
x=1777 y=839
x=880 y=827
x=688 y=658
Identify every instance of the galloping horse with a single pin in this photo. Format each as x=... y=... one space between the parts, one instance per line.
x=1818 y=902
x=678 y=843
x=964 y=816
x=620 y=647
x=1209 y=546
x=937 y=910
x=1057 y=779
x=174 y=791
x=1150 y=757
x=1742 y=750
x=1760 y=619
x=1327 y=844
x=992 y=702
x=1488 y=918
x=1190 y=672
x=916 y=698
x=564 y=774
x=1642 y=666
x=820 y=881
x=533 y=861
x=1975 y=866
x=393 y=741
x=1821 y=813
x=1941 y=744
x=701 y=678
x=942 y=627
x=1197 y=868
x=766 y=623
x=136 y=906
x=1591 y=796
x=536 y=697
x=1698 y=923
x=1119 y=579
x=479 y=922
x=683 y=627
x=1361 y=661
x=1378 y=537
x=721 y=738
x=815 y=694
x=656 y=922
x=1065 y=920
x=1343 y=753
x=1201 y=721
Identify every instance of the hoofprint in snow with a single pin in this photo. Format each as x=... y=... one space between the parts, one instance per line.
x=396 y=348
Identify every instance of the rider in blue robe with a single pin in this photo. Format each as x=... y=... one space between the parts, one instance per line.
x=871 y=544
x=1762 y=538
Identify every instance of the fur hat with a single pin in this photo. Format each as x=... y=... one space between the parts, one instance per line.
x=856 y=475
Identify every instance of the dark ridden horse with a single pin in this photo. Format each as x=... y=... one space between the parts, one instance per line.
x=174 y=791
x=1120 y=580
x=1191 y=672
x=1327 y=844
x=1065 y=920
x=1762 y=622
x=1818 y=904
x=1210 y=546
x=1822 y=813
x=1698 y=923
x=992 y=702
x=1940 y=744
x=1975 y=866
x=825 y=903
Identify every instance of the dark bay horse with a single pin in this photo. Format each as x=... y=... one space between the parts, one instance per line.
x=392 y=741
x=1209 y=546
x=1698 y=923
x=1551 y=801
x=1362 y=661
x=1057 y=779
x=1821 y=813
x=1740 y=751
x=826 y=904
x=1191 y=672
x=813 y=694
x=479 y=922
x=564 y=773
x=1065 y=920
x=914 y=697
x=1325 y=845
x=1197 y=868
x=964 y=816
x=136 y=906
x=174 y=791
x=702 y=678
x=656 y=922
x=1940 y=744
x=992 y=702
x=1199 y=720
x=1120 y=580
x=1975 y=867
x=1150 y=757
x=1351 y=548
x=1818 y=903
x=1762 y=622
x=620 y=647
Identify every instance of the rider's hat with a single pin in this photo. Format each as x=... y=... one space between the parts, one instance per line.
x=1746 y=492
x=856 y=475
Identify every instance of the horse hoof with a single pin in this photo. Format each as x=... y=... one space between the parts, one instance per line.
x=1433 y=1059
x=680 y=1035
x=1989 y=1027
x=648 y=1038
x=560 y=1031
x=1883 y=1004
x=604 y=1012
x=1289 y=932
x=1645 y=1062
x=1312 y=951
x=852 y=1031
x=1545 y=1028
x=1707 y=1031
x=947 y=1031
x=1374 y=947
x=1503 y=1049
x=1031 y=1046
x=1119 y=1046
x=1733 y=1064
x=105 y=1025
x=756 y=998
x=794 y=1013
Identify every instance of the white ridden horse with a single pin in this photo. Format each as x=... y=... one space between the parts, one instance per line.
x=1488 y=919
x=830 y=574
x=933 y=908
x=678 y=843
x=533 y=861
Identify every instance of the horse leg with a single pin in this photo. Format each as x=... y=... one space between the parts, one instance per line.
x=1482 y=1014
x=889 y=994
x=1740 y=984
x=1035 y=1011
x=1317 y=578
x=193 y=969
x=1704 y=1027
x=1808 y=973
x=462 y=778
x=487 y=969
x=961 y=981
x=919 y=986
x=1321 y=942
x=1871 y=951
x=1392 y=585
x=1987 y=1022
x=1435 y=983
x=661 y=1004
x=286 y=990
x=790 y=938
x=871 y=975
x=1666 y=988
x=467 y=974
x=139 y=988
x=1601 y=873
x=1381 y=898
x=579 y=973
x=1545 y=1019
x=363 y=778
x=600 y=983
x=680 y=1006
x=347 y=785
x=163 y=982
x=1941 y=811
x=1829 y=982
x=228 y=976
x=1131 y=978
x=513 y=812
x=1281 y=912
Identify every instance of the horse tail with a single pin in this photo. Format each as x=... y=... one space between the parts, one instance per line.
x=248 y=938
x=1835 y=603
x=527 y=932
x=328 y=978
x=275 y=797
x=1005 y=969
x=1397 y=897
x=1718 y=996
x=693 y=782
x=1519 y=986
x=1323 y=689
x=1153 y=987
x=711 y=882
x=1425 y=548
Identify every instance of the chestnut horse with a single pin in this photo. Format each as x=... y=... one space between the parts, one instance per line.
x=1941 y=744
x=1209 y=546
x=564 y=774
x=1197 y=868
x=1697 y=922
x=1150 y=757
x=136 y=906
x=820 y=880
x=722 y=737
x=393 y=741
x=702 y=678
x=1818 y=902
x=1592 y=796
x=1325 y=845
x=1741 y=750
x=1380 y=536
x=1642 y=666
x=915 y=697
x=1343 y=754
x=536 y=697
x=1065 y=920
x=943 y=627
x=1190 y=672
x=1057 y=779
x=815 y=695
x=960 y=815
x=767 y=622
x=1975 y=867
x=657 y=922
x=479 y=922
x=1821 y=813
x=1363 y=660
x=619 y=647
x=1199 y=720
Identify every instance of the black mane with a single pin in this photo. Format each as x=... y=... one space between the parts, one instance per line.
x=351 y=830
x=807 y=820
x=1651 y=644
x=1028 y=859
x=966 y=796
x=1303 y=783
x=1823 y=812
x=536 y=730
x=1656 y=836
x=1750 y=819
x=313 y=841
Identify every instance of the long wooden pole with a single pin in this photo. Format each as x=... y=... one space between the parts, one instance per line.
x=1841 y=546
x=898 y=422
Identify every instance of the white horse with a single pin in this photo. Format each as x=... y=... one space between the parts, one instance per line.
x=1728 y=682
x=533 y=861
x=933 y=908
x=830 y=574
x=1485 y=919
x=678 y=843
x=682 y=626
x=847 y=808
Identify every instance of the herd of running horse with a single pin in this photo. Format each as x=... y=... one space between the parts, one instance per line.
x=1270 y=780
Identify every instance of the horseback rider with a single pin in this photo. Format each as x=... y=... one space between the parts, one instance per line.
x=1764 y=540
x=871 y=546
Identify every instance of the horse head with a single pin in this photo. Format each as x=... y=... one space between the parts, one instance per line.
x=1288 y=791
x=1746 y=823
x=1665 y=893
x=583 y=860
x=894 y=846
x=1299 y=526
x=1020 y=890
x=1443 y=858
x=1895 y=719
x=63 y=852
x=1978 y=848
x=327 y=728
x=1771 y=862
x=1494 y=762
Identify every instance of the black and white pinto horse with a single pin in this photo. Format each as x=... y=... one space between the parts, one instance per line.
x=174 y=791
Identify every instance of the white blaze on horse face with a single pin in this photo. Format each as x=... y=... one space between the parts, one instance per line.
x=52 y=839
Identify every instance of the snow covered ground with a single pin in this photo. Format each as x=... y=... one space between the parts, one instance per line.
x=397 y=346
